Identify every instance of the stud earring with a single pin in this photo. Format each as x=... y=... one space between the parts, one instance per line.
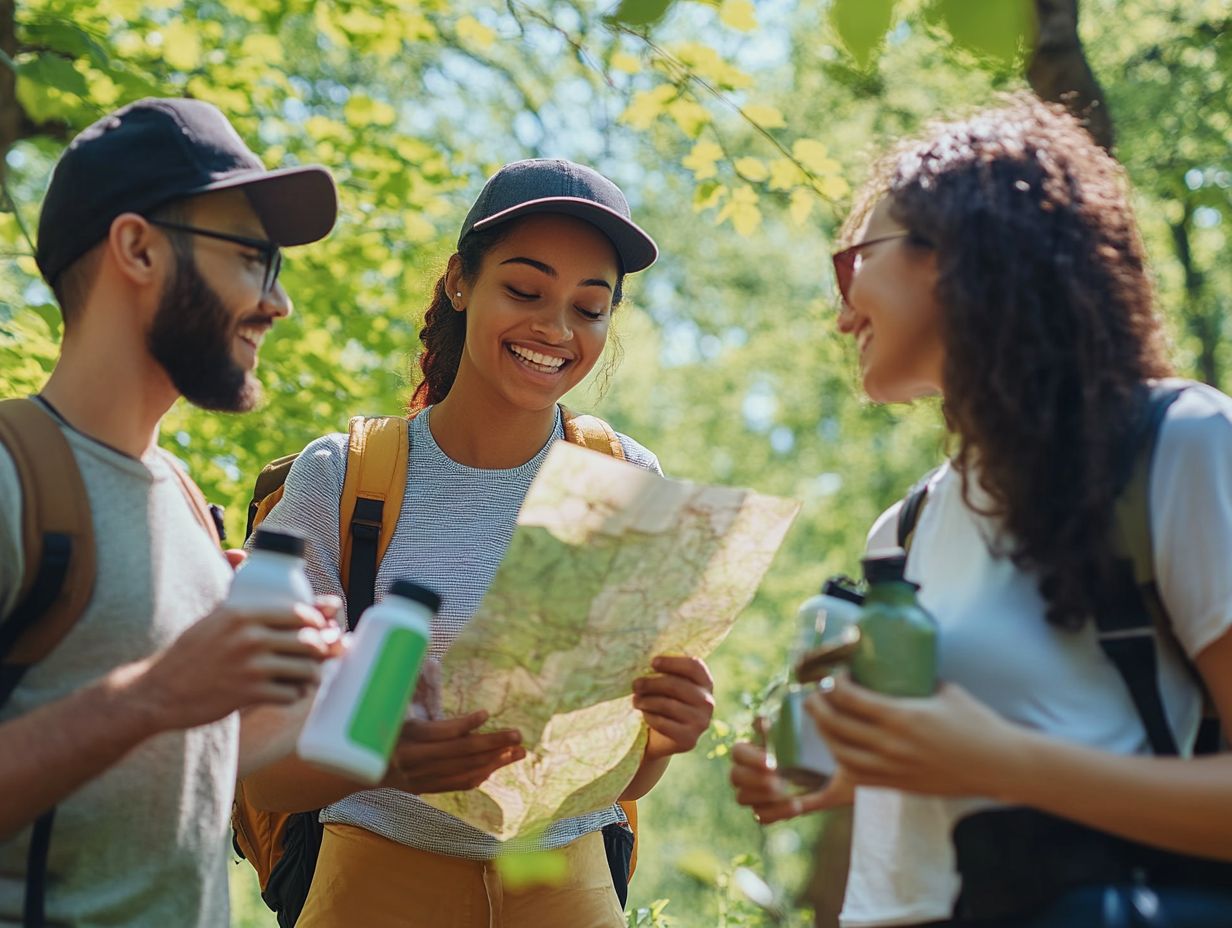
x=458 y=293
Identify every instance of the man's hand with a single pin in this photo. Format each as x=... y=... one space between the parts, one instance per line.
x=234 y=659
x=677 y=703
x=446 y=755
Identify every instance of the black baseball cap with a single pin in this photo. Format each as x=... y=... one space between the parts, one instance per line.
x=155 y=151
x=553 y=185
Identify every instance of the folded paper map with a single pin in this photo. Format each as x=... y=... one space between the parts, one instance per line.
x=609 y=566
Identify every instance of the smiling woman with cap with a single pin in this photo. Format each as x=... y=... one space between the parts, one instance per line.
x=519 y=317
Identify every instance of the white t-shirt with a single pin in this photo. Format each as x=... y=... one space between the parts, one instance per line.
x=996 y=644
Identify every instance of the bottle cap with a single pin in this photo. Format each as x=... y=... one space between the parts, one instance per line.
x=842 y=588
x=885 y=565
x=264 y=539
x=408 y=589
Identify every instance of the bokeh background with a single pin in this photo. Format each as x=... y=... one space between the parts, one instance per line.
x=738 y=130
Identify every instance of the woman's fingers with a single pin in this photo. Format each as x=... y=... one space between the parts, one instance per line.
x=693 y=669
x=673 y=709
x=671 y=686
x=842 y=729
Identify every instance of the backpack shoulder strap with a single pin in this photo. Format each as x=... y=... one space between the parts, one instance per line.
x=372 y=491
x=196 y=499
x=913 y=505
x=593 y=433
x=57 y=539
x=1132 y=613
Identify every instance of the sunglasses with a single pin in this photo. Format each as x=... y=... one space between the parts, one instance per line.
x=845 y=261
x=269 y=251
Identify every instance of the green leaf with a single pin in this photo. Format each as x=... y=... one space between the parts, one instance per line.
x=55 y=71
x=67 y=38
x=640 y=12
x=50 y=314
x=997 y=30
x=861 y=26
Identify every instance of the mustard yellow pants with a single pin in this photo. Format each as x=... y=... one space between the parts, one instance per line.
x=363 y=879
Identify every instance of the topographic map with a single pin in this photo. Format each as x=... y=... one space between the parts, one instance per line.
x=609 y=566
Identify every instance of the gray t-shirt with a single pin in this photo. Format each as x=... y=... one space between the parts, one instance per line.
x=146 y=842
x=453 y=529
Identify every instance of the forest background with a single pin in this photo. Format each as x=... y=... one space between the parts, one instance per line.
x=738 y=129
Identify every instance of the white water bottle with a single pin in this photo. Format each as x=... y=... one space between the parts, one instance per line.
x=272 y=576
x=359 y=708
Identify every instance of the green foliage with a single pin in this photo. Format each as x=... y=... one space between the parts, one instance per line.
x=998 y=30
x=861 y=26
x=738 y=147
x=641 y=12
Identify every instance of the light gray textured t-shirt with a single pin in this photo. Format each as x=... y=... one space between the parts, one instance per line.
x=145 y=843
x=453 y=529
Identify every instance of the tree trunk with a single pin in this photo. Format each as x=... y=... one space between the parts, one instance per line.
x=1202 y=320
x=10 y=112
x=1058 y=71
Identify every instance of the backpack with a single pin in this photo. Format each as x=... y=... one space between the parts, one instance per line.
x=283 y=846
x=1132 y=615
x=57 y=537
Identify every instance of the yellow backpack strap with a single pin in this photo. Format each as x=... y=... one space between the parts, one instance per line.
x=630 y=809
x=57 y=535
x=377 y=455
x=593 y=433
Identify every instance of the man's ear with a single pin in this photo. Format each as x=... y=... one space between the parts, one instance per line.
x=139 y=252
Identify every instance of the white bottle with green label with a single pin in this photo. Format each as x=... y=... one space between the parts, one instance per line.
x=359 y=709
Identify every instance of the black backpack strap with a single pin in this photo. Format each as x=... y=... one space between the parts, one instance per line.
x=33 y=913
x=1131 y=613
x=365 y=532
x=913 y=505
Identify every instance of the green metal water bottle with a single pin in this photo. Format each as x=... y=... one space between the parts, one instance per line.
x=897 y=653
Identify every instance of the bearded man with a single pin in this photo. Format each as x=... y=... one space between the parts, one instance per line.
x=160 y=236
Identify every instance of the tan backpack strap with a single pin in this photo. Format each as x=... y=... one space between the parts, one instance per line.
x=196 y=499
x=57 y=534
x=377 y=455
x=593 y=433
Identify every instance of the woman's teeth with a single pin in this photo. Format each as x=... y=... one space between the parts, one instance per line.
x=544 y=363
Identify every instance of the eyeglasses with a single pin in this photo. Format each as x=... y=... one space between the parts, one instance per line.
x=270 y=252
x=845 y=261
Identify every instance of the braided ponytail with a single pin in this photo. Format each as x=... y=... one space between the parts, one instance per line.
x=443 y=336
x=444 y=329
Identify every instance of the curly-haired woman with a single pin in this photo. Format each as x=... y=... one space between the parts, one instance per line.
x=520 y=316
x=997 y=262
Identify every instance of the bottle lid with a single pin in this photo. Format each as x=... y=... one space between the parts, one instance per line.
x=885 y=565
x=408 y=589
x=264 y=539
x=842 y=588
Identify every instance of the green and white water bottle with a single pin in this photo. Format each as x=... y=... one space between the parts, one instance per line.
x=897 y=652
x=360 y=706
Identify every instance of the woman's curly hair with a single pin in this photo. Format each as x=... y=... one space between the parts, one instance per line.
x=1048 y=327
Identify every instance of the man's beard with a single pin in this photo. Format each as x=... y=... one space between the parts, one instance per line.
x=191 y=338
